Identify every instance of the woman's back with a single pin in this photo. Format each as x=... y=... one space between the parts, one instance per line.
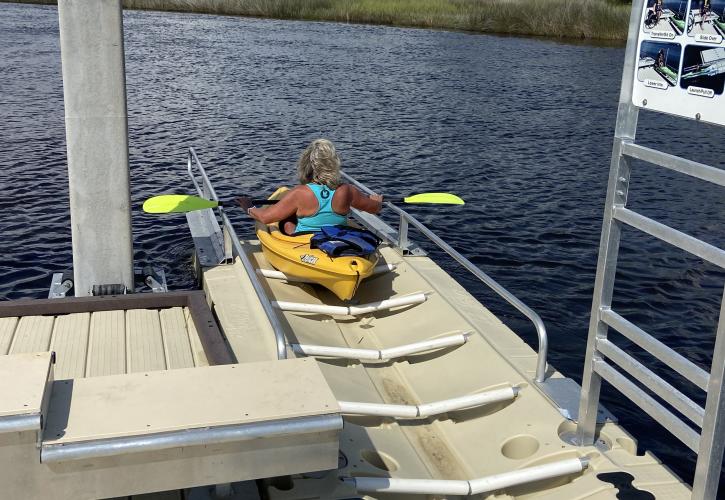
x=321 y=199
x=329 y=208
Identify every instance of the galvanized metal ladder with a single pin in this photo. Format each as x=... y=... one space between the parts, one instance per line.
x=606 y=361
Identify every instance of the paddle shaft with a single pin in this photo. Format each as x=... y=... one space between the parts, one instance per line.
x=256 y=202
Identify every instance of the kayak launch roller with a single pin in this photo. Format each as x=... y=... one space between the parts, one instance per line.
x=382 y=354
x=382 y=305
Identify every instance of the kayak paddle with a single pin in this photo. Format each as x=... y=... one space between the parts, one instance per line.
x=182 y=203
x=432 y=198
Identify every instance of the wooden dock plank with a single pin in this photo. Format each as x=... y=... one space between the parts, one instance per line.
x=107 y=344
x=177 y=346
x=197 y=350
x=32 y=334
x=145 y=347
x=7 y=332
x=70 y=343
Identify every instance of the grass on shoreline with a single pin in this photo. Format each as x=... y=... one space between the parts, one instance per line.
x=583 y=19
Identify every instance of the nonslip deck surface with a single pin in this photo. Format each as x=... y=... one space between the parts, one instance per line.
x=164 y=401
x=461 y=445
x=108 y=342
x=25 y=395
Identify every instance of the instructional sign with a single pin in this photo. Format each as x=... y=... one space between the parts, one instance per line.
x=681 y=59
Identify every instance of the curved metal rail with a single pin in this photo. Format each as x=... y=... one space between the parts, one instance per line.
x=207 y=191
x=402 y=243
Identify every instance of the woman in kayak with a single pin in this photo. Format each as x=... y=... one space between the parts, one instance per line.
x=321 y=199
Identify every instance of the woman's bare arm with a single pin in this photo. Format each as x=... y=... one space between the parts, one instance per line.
x=284 y=208
x=372 y=203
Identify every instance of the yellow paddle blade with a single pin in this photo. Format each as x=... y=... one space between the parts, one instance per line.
x=176 y=203
x=438 y=198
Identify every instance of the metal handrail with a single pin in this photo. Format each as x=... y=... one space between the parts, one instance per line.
x=237 y=246
x=406 y=218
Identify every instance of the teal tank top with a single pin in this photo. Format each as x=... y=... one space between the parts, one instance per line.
x=324 y=215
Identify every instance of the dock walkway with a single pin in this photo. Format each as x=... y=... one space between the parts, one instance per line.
x=476 y=442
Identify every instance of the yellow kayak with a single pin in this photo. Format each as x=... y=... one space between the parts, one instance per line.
x=293 y=256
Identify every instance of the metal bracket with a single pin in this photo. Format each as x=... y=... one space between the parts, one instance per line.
x=564 y=393
x=228 y=254
x=60 y=285
x=154 y=278
x=387 y=233
x=208 y=239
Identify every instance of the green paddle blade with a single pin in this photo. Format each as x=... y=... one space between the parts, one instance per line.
x=176 y=203
x=438 y=198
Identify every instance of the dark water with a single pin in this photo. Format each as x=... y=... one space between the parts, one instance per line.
x=520 y=128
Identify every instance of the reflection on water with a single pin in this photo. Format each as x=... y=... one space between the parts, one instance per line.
x=521 y=128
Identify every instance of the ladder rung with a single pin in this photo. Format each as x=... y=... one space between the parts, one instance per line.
x=672 y=236
x=652 y=381
x=667 y=355
x=662 y=415
x=682 y=165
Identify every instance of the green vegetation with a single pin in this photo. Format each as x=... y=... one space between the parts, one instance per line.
x=587 y=19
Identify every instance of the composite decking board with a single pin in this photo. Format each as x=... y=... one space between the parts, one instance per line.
x=197 y=350
x=145 y=346
x=240 y=314
x=177 y=345
x=32 y=334
x=139 y=404
x=70 y=343
x=107 y=344
x=24 y=379
x=7 y=332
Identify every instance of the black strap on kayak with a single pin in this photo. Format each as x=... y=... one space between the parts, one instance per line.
x=337 y=241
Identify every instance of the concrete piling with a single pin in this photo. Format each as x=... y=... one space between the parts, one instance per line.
x=92 y=54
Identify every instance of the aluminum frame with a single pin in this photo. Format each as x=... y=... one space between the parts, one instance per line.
x=20 y=423
x=602 y=355
x=102 y=448
x=403 y=243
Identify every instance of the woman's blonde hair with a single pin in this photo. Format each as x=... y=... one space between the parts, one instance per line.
x=320 y=164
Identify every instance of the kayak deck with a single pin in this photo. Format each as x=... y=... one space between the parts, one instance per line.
x=293 y=256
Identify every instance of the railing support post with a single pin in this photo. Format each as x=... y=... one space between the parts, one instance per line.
x=228 y=251
x=625 y=131
x=403 y=234
x=712 y=444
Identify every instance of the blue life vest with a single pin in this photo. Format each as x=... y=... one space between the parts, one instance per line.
x=324 y=216
x=337 y=241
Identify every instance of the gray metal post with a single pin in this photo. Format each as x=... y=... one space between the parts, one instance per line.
x=91 y=41
x=625 y=131
x=712 y=442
